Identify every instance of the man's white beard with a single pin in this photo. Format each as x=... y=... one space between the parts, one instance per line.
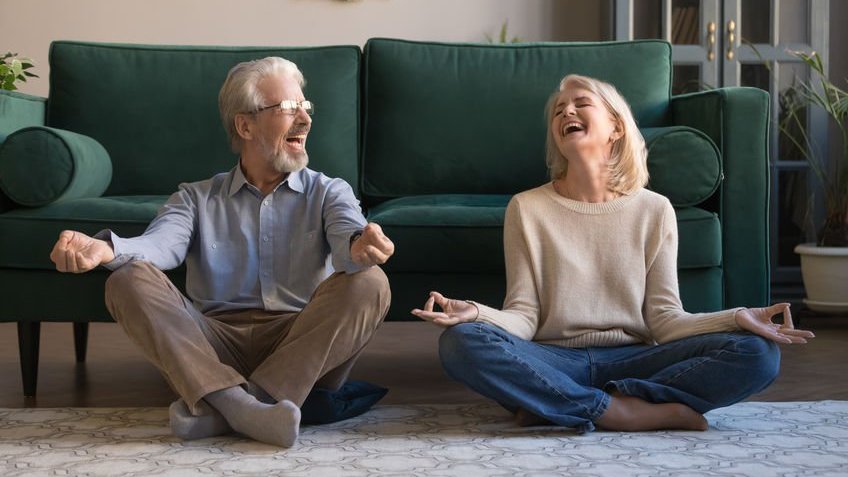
x=281 y=160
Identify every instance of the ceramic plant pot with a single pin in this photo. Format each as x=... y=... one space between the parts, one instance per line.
x=825 y=272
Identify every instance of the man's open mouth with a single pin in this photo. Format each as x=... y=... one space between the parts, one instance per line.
x=297 y=140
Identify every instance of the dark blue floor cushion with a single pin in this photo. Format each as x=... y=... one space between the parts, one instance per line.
x=323 y=406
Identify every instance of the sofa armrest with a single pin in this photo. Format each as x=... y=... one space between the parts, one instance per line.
x=18 y=110
x=737 y=120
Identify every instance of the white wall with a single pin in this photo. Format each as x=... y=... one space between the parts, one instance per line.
x=28 y=26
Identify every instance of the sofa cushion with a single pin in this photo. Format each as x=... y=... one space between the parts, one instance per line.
x=39 y=228
x=699 y=237
x=702 y=289
x=40 y=165
x=460 y=233
x=684 y=164
x=464 y=234
x=155 y=108
x=465 y=118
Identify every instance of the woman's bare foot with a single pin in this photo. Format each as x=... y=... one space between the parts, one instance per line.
x=628 y=413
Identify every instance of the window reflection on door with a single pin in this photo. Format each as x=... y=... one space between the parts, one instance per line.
x=685 y=22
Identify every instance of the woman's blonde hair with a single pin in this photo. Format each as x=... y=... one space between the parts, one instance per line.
x=628 y=162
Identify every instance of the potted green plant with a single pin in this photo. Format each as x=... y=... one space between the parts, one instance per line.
x=13 y=69
x=503 y=37
x=824 y=263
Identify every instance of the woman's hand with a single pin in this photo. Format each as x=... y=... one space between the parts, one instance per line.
x=454 y=311
x=759 y=321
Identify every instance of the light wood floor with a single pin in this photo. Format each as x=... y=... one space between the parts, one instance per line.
x=402 y=357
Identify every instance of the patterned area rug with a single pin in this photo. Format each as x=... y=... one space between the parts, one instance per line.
x=749 y=439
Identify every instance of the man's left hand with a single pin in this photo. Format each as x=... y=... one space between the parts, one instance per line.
x=372 y=247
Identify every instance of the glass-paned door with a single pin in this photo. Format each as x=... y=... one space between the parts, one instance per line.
x=720 y=43
x=691 y=26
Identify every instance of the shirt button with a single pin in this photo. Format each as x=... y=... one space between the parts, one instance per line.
x=214 y=245
x=265 y=238
x=266 y=202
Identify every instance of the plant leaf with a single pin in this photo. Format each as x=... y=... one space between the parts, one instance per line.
x=16 y=67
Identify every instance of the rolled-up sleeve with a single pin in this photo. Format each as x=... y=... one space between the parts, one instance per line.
x=342 y=219
x=166 y=241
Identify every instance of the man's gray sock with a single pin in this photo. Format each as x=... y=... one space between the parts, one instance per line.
x=186 y=426
x=259 y=393
x=276 y=424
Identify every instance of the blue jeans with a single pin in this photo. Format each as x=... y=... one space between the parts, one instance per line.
x=570 y=386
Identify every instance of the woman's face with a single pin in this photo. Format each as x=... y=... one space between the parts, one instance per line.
x=582 y=126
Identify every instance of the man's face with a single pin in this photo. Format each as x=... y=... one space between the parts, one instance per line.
x=281 y=136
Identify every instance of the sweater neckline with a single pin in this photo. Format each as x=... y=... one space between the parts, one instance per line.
x=589 y=208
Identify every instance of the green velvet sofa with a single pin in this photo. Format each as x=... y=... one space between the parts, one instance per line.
x=434 y=137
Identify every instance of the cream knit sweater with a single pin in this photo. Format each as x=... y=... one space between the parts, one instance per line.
x=595 y=274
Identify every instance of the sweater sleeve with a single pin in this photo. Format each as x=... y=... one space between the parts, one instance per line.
x=520 y=315
x=663 y=311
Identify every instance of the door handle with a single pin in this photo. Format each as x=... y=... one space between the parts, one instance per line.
x=711 y=41
x=731 y=38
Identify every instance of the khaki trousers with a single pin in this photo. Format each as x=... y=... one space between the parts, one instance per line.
x=286 y=354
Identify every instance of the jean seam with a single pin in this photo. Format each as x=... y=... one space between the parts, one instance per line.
x=605 y=400
x=734 y=343
x=592 y=414
x=705 y=359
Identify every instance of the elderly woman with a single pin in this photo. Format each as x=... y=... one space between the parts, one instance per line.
x=592 y=331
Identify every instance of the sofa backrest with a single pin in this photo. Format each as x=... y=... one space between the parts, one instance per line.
x=155 y=108
x=445 y=118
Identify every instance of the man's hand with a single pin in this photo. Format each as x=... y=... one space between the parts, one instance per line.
x=76 y=252
x=758 y=321
x=372 y=247
x=454 y=311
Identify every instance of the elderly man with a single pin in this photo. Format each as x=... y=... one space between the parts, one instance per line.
x=284 y=291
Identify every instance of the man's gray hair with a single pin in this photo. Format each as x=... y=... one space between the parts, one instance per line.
x=240 y=92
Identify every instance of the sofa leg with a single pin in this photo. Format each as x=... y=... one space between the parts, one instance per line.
x=80 y=341
x=29 y=334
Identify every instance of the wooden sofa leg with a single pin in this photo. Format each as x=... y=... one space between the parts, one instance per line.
x=29 y=335
x=80 y=341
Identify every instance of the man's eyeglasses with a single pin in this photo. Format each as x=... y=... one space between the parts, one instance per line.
x=290 y=107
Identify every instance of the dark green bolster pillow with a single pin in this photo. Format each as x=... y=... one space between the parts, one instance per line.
x=684 y=164
x=41 y=165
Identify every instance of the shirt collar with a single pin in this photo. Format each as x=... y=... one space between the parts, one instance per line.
x=294 y=180
x=238 y=180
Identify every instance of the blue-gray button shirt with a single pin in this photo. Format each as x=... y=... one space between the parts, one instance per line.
x=246 y=251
